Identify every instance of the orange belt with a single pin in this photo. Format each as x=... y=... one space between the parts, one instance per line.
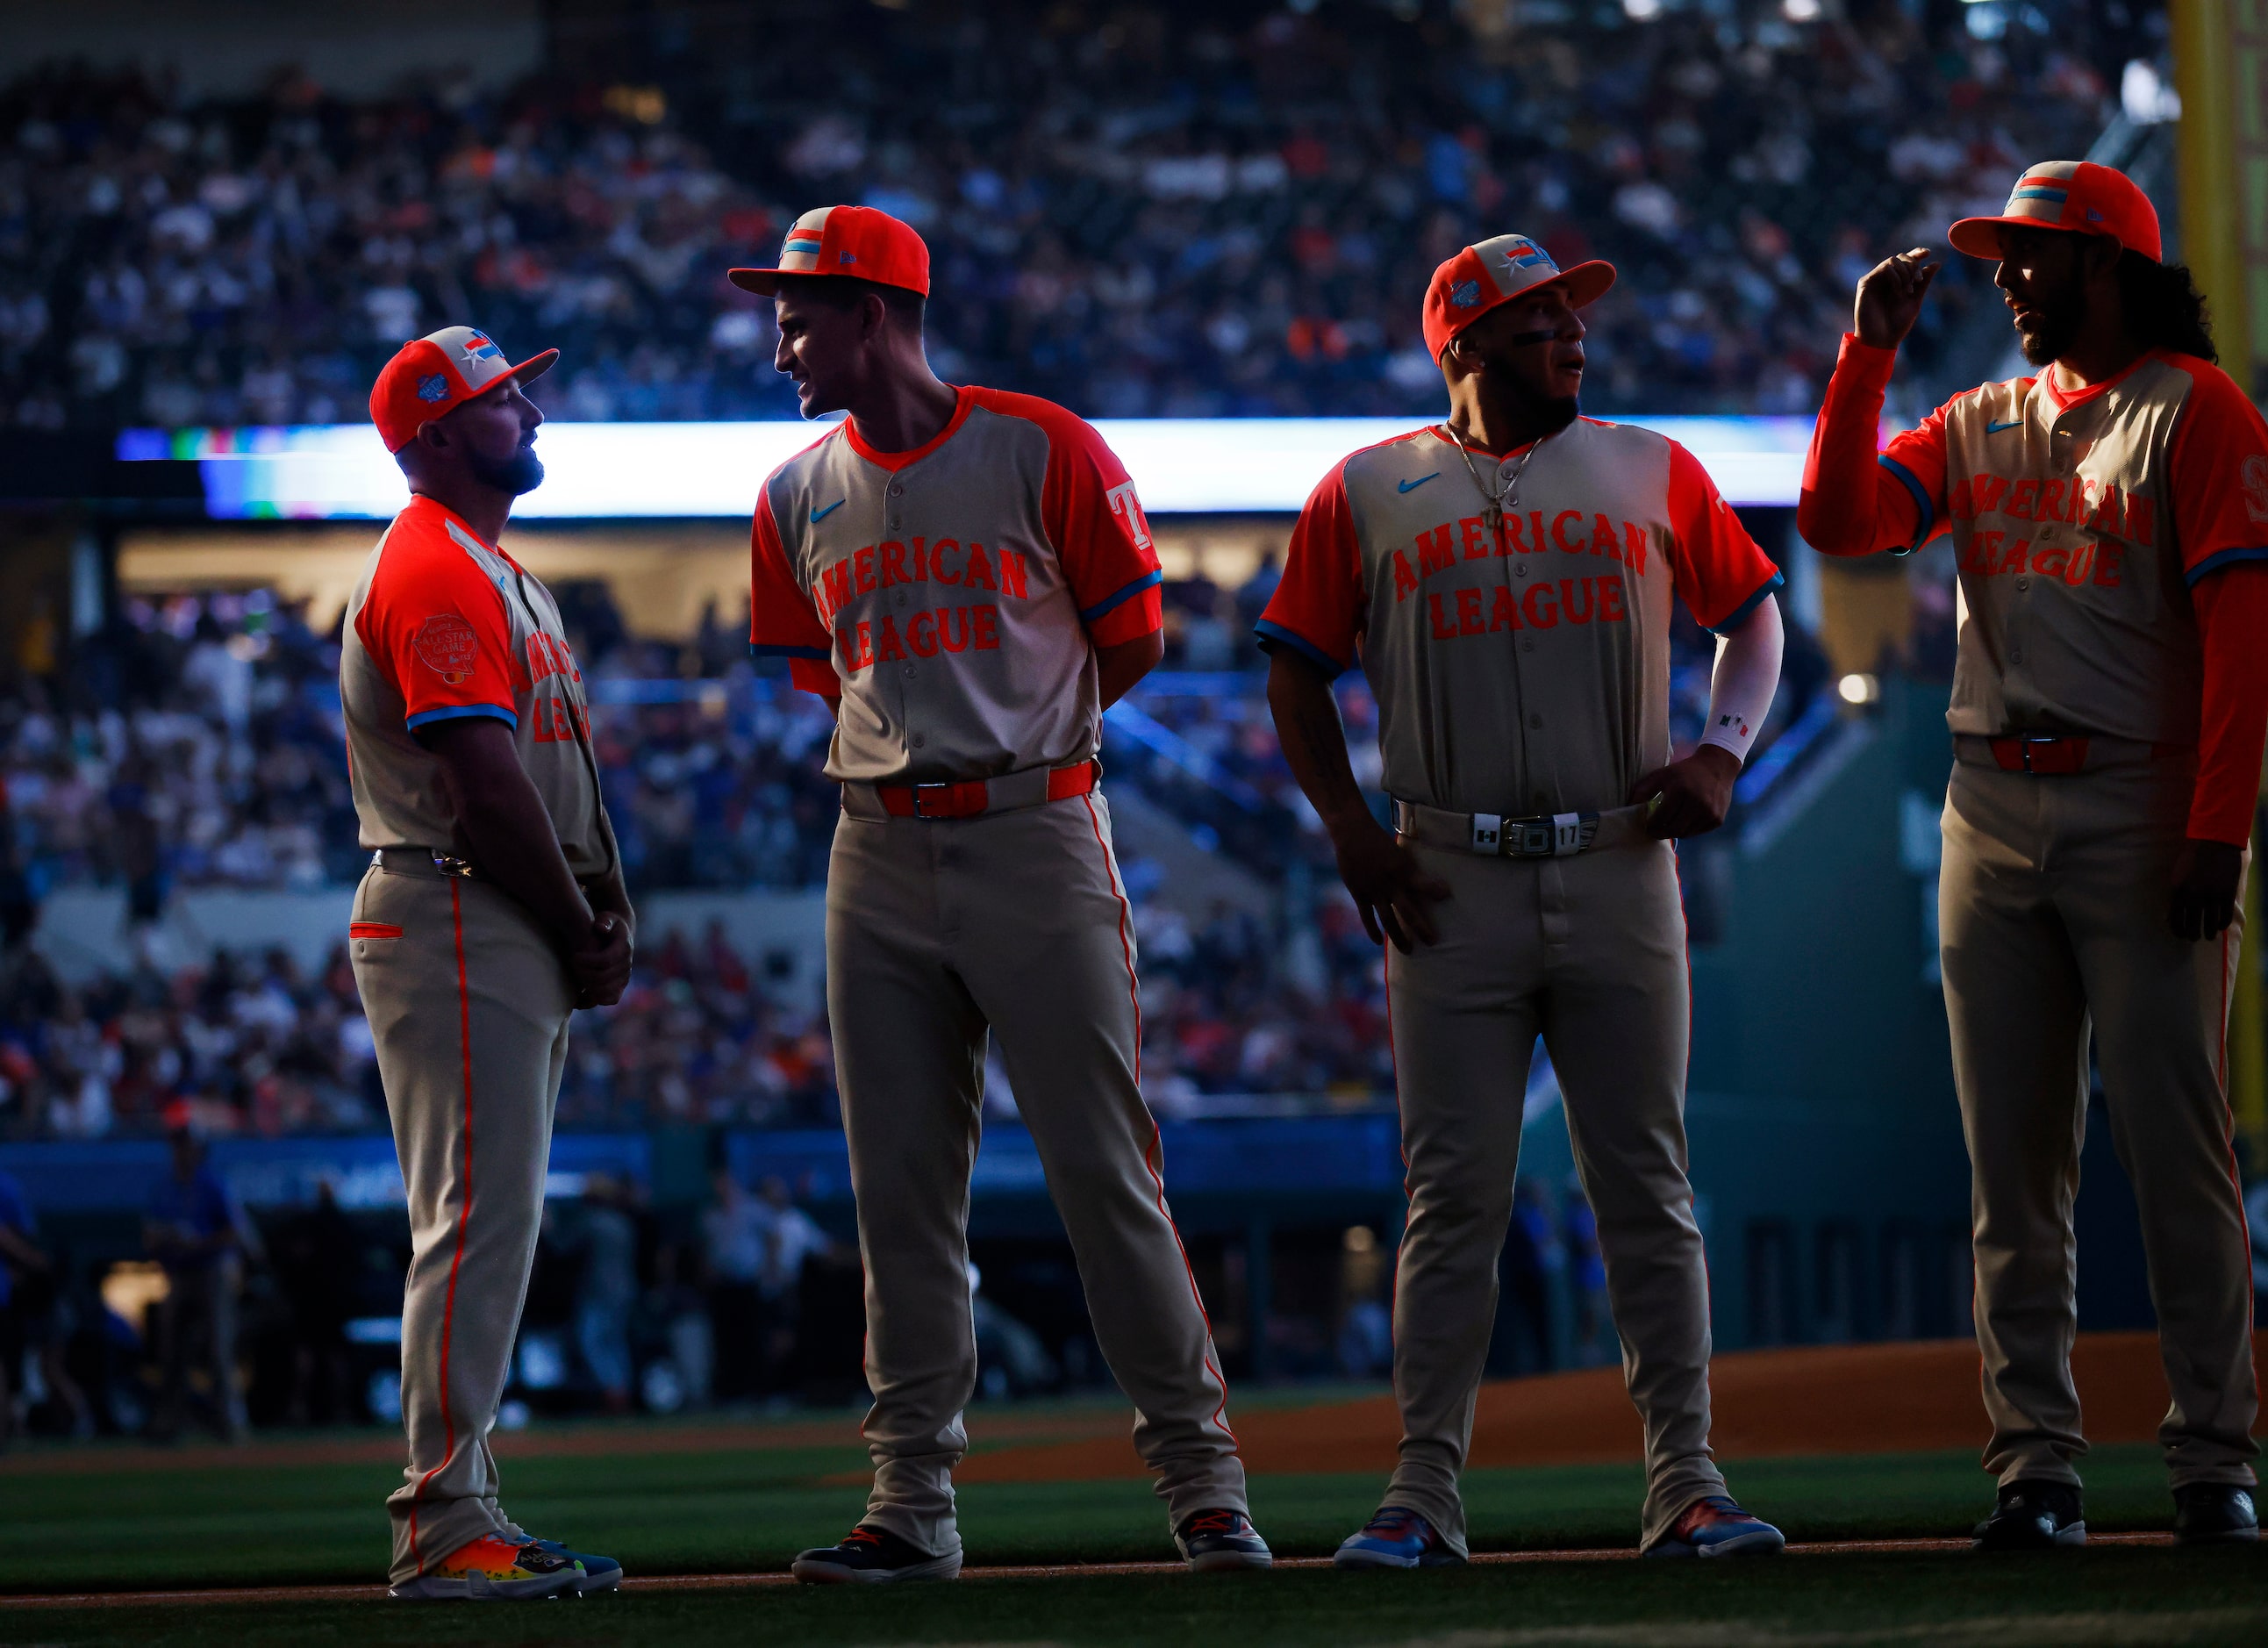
x=974 y=797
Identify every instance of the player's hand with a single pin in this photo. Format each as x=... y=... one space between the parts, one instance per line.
x=1389 y=886
x=2205 y=877
x=1889 y=298
x=600 y=969
x=1688 y=797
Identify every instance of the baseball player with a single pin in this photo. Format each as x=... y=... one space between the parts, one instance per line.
x=966 y=577
x=1505 y=579
x=2109 y=517
x=493 y=908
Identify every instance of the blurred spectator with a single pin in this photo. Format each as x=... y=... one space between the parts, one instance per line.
x=23 y=1265
x=1184 y=210
x=735 y=1229
x=600 y=1231
x=194 y=1228
x=1587 y=1277
x=316 y=1254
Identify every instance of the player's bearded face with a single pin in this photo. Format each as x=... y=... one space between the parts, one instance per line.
x=2043 y=279
x=1536 y=349
x=499 y=434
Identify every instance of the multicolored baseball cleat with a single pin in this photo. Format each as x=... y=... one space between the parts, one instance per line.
x=2033 y=1516
x=490 y=1568
x=1221 y=1541
x=1716 y=1526
x=599 y=1573
x=871 y=1556
x=2214 y=1513
x=1397 y=1537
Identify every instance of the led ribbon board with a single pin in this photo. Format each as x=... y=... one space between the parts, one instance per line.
x=615 y=471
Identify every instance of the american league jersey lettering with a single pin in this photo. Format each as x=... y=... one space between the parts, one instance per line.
x=954 y=595
x=2079 y=523
x=1523 y=670
x=444 y=627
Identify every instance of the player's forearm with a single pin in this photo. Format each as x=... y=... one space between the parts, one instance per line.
x=1745 y=677
x=506 y=831
x=1315 y=745
x=1849 y=506
x=2232 y=609
x=1119 y=669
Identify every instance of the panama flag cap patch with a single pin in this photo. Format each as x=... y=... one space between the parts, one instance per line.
x=855 y=240
x=2076 y=196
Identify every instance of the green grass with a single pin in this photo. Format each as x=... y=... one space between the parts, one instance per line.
x=210 y=1521
x=2158 y=1597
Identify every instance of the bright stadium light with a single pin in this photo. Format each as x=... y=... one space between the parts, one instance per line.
x=614 y=471
x=1858 y=689
x=1801 y=10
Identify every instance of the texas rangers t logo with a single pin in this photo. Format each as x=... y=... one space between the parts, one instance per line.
x=1122 y=502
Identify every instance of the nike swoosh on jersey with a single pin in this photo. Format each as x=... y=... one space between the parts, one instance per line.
x=1994 y=429
x=1411 y=486
x=818 y=515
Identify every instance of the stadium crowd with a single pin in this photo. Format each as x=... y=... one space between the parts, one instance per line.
x=1173 y=209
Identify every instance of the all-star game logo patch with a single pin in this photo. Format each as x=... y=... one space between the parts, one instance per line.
x=449 y=648
x=432 y=386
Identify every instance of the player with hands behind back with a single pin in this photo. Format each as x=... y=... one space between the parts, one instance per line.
x=493 y=908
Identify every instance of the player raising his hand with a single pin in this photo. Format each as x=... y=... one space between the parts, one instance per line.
x=2109 y=522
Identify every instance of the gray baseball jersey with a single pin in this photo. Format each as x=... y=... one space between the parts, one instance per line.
x=1523 y=669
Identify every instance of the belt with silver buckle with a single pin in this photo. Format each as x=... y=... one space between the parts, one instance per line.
x=1492 y=835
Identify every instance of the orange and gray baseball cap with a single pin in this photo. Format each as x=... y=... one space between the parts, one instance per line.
x=1495 y=272
x=2078 y=196
x=856 y=240
x=435 y=373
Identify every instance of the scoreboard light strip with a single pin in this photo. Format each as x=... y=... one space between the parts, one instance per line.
x=614 y=471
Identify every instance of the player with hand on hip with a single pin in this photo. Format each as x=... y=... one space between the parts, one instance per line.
x=1505 y=578
x=966 y=577
x=2110 y=523
x=494 y=907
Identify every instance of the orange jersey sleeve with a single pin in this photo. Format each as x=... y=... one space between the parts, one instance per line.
x=436 y=624
x=1092 y=515
x=1854 y=502
x=783 y=623
x=1718 y=570
x=2218 y=456
x=1318 y=607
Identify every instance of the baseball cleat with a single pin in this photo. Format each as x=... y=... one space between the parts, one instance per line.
x=599 y=1573
x=2214 y=1513
x=1716 y=1526
x=2033 y=1516
x=871 y=1556
x=1220 y=1542
x=494 y=1570
x=1397 y=1537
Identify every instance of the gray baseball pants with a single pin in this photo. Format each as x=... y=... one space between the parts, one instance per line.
x=937 y=930
x=2053 y=911
x=1589 y=952
x=468 y=1007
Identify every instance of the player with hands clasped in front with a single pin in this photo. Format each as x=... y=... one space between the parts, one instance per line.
x=2110 y=523
x=493 y=909
x=1505 y=578
x=966 y=577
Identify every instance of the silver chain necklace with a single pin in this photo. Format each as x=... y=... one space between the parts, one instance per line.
x=1507 y=493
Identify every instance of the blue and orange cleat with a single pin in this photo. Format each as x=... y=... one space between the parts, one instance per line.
x=490 y=1568
x=1397 y=1537
x=1716 y=1526
x=599 y=1573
